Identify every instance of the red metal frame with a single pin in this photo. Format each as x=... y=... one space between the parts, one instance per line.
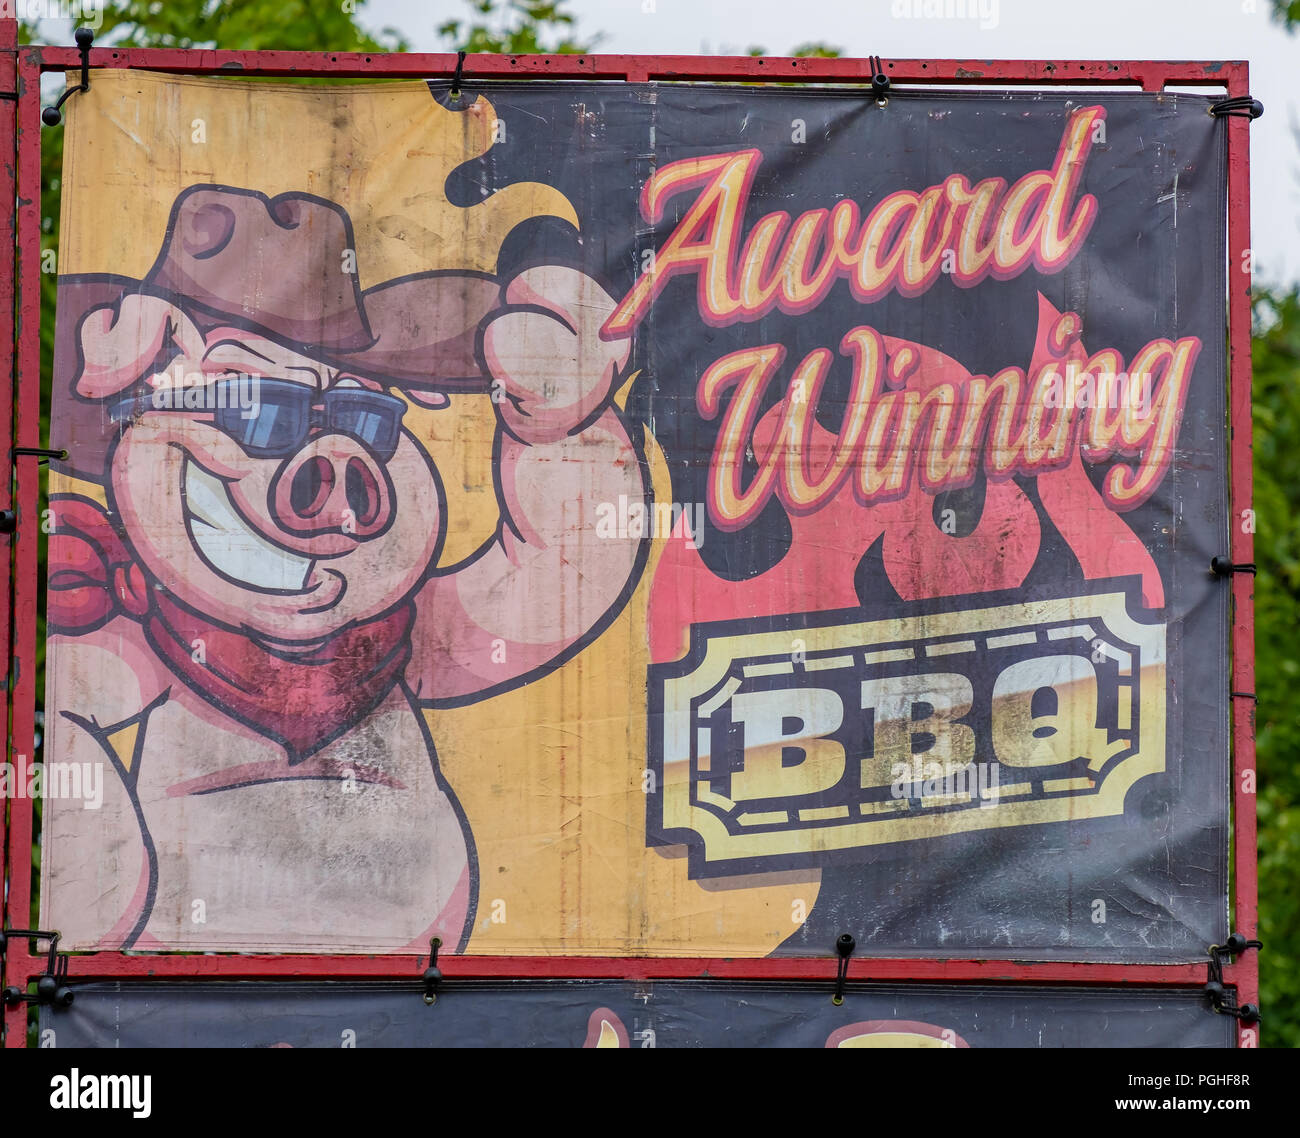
x=8 y=178
x=19 y=965
x=26 y=66
x=1245 y=974
x=119 y=966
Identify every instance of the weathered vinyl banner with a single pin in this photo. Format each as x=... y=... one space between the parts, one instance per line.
x=617 y=519
x=596 y=1013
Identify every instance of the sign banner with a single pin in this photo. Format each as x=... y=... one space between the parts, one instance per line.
x=598 y=1013
x=629 y=519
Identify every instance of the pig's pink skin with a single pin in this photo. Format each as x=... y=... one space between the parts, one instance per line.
x=289 y=857
x=352 y=580
x=522 y=599
x=527 y=596
x=549 y=576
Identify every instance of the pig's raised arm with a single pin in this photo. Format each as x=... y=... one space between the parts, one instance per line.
x=549 y=576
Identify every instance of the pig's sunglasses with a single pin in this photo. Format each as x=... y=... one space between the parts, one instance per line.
x=284 y=414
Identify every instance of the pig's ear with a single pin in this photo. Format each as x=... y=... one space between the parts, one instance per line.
x=121 y=342
x=427 y=398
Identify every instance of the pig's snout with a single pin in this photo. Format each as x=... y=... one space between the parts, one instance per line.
x=333 y=486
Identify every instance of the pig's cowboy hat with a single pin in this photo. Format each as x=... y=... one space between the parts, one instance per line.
x=286 y=268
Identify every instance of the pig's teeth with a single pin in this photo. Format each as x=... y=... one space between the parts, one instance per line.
x=231 y=545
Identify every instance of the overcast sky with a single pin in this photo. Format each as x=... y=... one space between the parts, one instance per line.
x=1019 y=29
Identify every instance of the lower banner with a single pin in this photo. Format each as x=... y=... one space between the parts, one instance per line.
x=602 y=1013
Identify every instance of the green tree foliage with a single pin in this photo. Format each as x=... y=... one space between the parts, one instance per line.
x=813 y=50
x=517 y=27
x=1275 y=353
x=243 y=25
x=817 y=51
x=1276 y=358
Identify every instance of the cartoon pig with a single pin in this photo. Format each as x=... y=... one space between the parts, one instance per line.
x=248 y=627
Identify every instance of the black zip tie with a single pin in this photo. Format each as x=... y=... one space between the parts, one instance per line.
x=1241 y=106
x=433 y=974
x=460 y=71
x=879 y=80
x=51 y=987
x=9 y=518
x=1235 y=945
x=41 y=452
x=1225 y=567
x=1244 y=695
x=52 y=116
x=844 y=945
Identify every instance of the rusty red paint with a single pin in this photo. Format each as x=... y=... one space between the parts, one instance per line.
x=27 y=423
x=8 y=173
x=26 y=64
x=1152 y=75
x=121 y=966
x=1246 y=891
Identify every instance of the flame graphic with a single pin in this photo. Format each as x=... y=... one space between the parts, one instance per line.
x=920 y=560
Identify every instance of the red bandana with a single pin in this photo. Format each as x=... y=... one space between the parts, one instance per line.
x=302 y=700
